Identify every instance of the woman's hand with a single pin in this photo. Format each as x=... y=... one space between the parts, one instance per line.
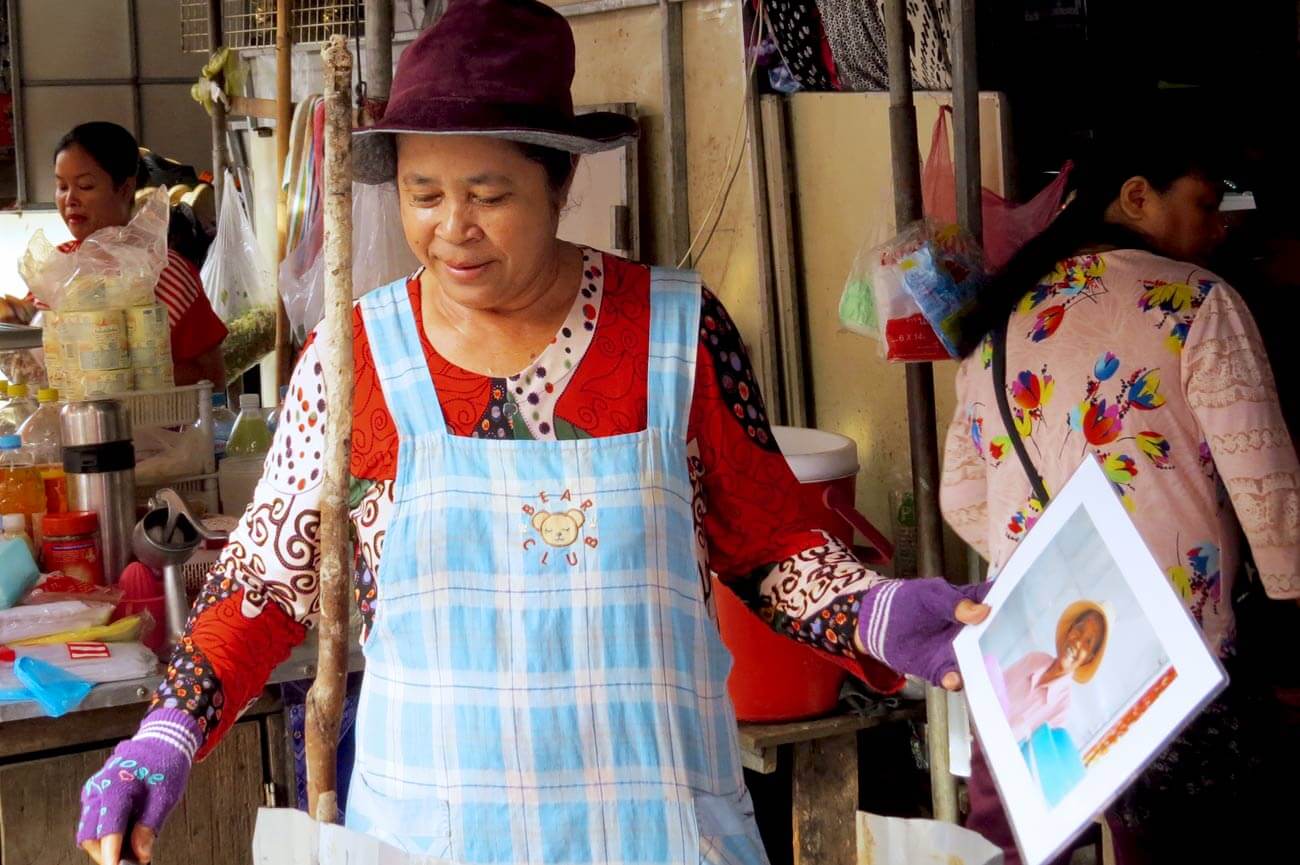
x=910 y=625
x=137 y=788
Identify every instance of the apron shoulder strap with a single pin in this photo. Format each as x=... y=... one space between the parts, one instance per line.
x=674 y=341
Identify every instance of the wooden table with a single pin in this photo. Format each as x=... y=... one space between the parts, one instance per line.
x=824 y=777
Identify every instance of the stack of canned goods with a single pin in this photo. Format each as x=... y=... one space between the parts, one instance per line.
x=103 y=352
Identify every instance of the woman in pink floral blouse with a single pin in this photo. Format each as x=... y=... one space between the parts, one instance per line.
x=1119 y=349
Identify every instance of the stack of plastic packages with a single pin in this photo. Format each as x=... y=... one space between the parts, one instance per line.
x=105 y=333
x=58 y=636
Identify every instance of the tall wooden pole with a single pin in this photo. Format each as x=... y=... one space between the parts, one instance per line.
x=923 y=436
x=325 y=699
x=283 y=125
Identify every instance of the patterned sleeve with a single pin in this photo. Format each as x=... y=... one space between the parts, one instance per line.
x=765 y=541
x=1230 y=388
x=963 y=487
x=262 y=595
x=196 y=329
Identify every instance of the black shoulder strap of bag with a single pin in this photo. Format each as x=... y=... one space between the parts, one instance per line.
x=1004 y=408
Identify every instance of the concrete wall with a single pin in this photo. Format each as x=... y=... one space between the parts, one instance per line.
x=91 y=39
x=843 y=192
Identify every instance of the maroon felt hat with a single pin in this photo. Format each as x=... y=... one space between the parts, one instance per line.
x=498 y=68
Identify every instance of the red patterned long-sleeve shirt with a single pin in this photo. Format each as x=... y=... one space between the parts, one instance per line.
x=263 y=593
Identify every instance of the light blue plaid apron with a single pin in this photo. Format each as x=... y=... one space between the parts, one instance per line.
x=545 y=682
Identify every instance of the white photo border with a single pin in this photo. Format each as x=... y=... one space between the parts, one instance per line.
x=1042 y=831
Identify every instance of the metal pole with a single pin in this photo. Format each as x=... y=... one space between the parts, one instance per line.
x=378 y=65
x=674 y=80
x=966 y=138
x=216 y=36
x=325 y=699
x=283 y=123
x=923 y=437
x=966 y=119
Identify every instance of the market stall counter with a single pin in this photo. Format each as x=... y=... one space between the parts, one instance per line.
x=43 y=762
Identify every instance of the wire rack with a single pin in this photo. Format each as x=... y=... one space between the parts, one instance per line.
x=251 y=23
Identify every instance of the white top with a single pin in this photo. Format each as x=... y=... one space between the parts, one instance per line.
x=14 y=524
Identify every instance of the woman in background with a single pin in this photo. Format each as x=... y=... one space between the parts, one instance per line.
x=1118 y=348
x=95 y=168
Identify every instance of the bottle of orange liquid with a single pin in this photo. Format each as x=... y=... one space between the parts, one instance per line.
x=43 y=438
x=21 y=489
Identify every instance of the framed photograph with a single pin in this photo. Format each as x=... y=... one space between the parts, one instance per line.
x=1086 y=667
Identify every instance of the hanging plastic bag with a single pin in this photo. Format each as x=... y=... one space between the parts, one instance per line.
x=1007 y=226
x=913 y=291
x=115 y=267
x=379 y=256
x=238 y=285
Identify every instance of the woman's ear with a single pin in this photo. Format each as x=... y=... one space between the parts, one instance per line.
x=562 y=197
x=1135 y=199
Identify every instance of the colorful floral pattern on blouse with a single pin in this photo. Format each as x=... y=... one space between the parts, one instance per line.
x=1155 y=369
x=590 y=381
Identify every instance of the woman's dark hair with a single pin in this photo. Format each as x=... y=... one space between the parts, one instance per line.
x=558 y=165
x=1162 y=151
x=113 y=147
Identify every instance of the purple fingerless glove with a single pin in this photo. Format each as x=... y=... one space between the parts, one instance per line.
x=909 y=625
x=144 y=779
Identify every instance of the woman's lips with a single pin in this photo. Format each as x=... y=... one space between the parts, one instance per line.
x=465 y=270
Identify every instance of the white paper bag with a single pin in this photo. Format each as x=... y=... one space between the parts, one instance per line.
x=895 y=841
x=284 y=836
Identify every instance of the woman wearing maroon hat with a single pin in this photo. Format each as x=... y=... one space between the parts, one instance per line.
x=551 y=450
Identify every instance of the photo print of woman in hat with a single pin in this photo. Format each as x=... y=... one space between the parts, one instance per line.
x=1036 y=692
x=552 y=448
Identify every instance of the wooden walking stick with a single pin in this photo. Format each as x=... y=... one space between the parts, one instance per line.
x=325 y=699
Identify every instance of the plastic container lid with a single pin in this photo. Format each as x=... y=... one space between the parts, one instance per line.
x=13 y=523
x=219 y=400
x=10 y=443
x=70 y=523
x=47 y=394
x=249 y=401
x=816 y=455
x=17 y=391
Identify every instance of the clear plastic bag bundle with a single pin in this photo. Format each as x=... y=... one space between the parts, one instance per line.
x=914 y=291
x=115 y=267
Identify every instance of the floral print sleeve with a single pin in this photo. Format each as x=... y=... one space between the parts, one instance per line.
x=1153 y=368
x=1230 y=388
x=262 y=594
x=761 y=538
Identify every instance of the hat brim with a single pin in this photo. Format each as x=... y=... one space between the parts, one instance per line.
x=1084 y=674
x=374 y=149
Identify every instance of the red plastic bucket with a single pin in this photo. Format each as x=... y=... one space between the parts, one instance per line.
x=773 y=677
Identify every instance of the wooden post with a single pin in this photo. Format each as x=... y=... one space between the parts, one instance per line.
x=825 y=800
x=219 y=155
x=922 y=434
x=283 y=124
x=378 y=62
x=674 y=75
x=325 y=699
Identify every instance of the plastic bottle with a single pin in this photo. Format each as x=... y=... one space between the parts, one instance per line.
x=223 y=421
x=19 y=408
x=250 y=436
x=21 y=489
x=43 y=438
x=13 y=527
x=273 y=414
